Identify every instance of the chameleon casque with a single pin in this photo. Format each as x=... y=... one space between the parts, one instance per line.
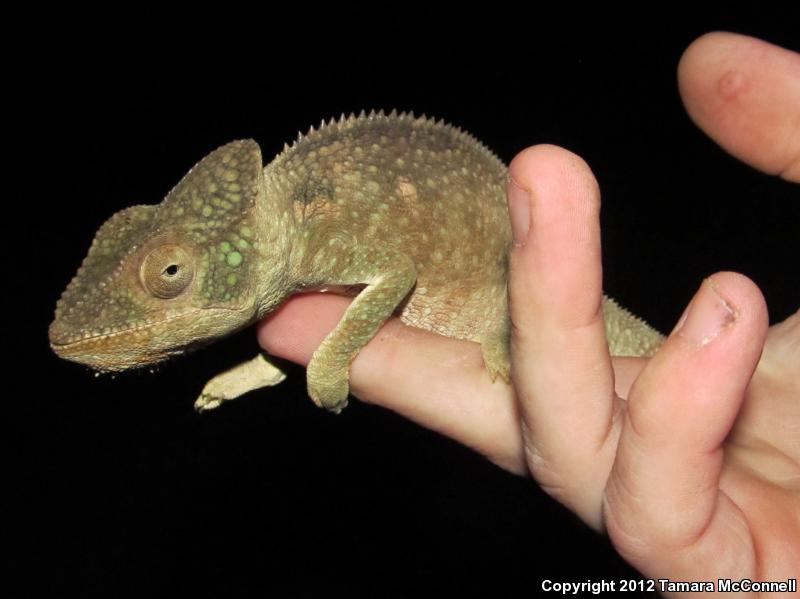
x=407 y=214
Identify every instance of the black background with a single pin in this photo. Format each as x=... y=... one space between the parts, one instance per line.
x=119 y=487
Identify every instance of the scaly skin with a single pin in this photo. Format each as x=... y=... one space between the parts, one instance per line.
x=407 y=213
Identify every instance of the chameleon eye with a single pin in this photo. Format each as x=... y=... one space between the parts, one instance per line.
x=167 y=271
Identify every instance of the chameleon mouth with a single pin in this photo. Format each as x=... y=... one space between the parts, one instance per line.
x=102 y=362
x=62 y=336
x=122 y=348
x=113 y=352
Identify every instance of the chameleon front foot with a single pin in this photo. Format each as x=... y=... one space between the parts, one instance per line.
x=328 y=388
x=247 y=376
x=331 y=396
x=206 y=402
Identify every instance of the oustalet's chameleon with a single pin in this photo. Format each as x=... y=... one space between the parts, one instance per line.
x=407 y=214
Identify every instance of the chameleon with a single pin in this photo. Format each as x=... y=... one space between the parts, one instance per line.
x=406 y=214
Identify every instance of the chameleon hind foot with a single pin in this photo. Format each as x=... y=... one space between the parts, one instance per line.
x=496 y=356
x=233 y=383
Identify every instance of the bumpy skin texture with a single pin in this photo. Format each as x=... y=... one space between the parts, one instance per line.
x=405 y=212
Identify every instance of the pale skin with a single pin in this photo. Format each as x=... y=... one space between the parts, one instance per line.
x=689 y=461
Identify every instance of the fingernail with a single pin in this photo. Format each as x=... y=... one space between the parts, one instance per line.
x=519 y=209
x=707 y=315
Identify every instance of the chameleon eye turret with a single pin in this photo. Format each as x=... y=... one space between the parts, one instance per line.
x=167 y=271
x=408 y=211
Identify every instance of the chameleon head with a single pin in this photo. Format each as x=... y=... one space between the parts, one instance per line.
x=160 y=279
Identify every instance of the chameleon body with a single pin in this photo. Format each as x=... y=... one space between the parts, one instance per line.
x=407 y=214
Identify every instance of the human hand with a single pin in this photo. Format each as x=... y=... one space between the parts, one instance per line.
x=674 y=493
x=697 y=475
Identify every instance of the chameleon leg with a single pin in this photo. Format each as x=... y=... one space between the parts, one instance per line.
x=496 y=338
x=237 y=381
x=389 y=277
x=496 y=355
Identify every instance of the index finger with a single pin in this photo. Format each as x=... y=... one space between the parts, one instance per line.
x=745 y=94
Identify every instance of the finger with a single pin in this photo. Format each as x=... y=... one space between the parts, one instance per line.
x=771 y=416
x=663 y=500
x=745 y=94
x=479 y=414
x=300 y=324
x=561 y=366
x=436 y=381
x=626 y=371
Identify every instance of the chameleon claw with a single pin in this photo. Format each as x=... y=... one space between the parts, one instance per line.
x=205 y=403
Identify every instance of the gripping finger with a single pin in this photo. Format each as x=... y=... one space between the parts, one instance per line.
x=663 y=497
